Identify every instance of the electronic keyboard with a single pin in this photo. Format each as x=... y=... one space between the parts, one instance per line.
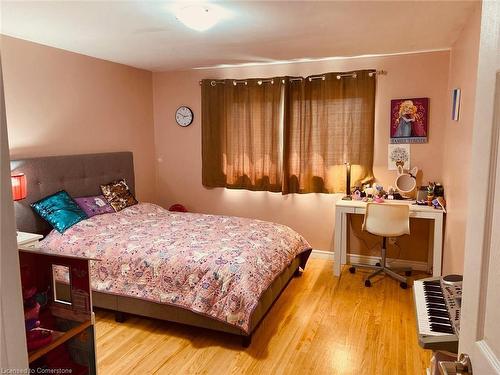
x=437 y=306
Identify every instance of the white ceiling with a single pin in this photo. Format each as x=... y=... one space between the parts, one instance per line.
x=146 y=34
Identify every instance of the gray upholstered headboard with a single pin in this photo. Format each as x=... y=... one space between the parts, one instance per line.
x=79 y=175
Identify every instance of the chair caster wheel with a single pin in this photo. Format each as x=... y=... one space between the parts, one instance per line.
x=352 y=269
x=407 y=273
x=403 y=285
x=368 y=283
x=378 y=264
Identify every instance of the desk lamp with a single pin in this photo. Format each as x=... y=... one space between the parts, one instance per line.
x=19 y=190
x=348 y=182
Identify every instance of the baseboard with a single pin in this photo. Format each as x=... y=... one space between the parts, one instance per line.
x=366 y=259
x=321 y=254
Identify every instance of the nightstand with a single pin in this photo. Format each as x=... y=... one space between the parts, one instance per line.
x=26 y=239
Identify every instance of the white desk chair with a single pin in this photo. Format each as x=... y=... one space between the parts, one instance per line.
x=386 y=220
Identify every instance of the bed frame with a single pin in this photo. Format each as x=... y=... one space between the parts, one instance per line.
x=81 y=175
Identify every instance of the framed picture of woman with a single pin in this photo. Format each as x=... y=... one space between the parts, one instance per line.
x=409 y=120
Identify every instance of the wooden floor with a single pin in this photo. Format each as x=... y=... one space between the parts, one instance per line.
x=319 y=325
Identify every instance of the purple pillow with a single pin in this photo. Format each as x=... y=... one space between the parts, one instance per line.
x=92 y=206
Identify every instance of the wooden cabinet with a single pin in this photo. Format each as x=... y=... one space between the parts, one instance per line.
x=58 y=312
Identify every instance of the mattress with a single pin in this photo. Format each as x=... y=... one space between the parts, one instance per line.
x=217 y=266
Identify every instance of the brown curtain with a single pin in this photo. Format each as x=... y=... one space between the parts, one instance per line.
x=241 y=133
x=328 y=121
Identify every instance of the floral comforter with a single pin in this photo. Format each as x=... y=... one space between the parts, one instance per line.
x=213 y=265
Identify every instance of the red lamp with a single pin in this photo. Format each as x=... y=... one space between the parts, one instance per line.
x=19 y=190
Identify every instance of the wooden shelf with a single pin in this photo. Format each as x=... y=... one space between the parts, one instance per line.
x=58 y=338
x=65 y=322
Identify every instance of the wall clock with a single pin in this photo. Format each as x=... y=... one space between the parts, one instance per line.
x=184 y=116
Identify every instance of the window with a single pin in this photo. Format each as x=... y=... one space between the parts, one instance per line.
x=289 y=135
x=241 y=135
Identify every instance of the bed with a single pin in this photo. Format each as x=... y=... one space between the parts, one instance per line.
x=216 y=272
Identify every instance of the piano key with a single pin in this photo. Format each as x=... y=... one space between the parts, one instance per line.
x=440 y=298
x=441 y=328
x=435 y=300
x=436 y=306
x=431 y=293
x=433 y=289
x=435 y=282
x=434 y=319
x=443 y=331
x=436 y=295
x=446 y=325
x=438 y=313
x=441 y=309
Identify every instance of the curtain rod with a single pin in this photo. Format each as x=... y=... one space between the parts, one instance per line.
x=243 y=82
x=321 y=77
x=352 y=75
x=378 y=73
x=293 y=79
x=370 y=74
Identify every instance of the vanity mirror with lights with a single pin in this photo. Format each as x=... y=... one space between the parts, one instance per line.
x=58 y=314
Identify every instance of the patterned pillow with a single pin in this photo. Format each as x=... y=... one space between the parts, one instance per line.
x=59 y=210
x=118 y=195
x=92 y=206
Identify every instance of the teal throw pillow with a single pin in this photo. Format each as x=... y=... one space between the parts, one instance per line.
x=59 y=210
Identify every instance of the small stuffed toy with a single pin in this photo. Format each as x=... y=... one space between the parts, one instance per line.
x=36 y=337
x=439 y=203
x=356 y=195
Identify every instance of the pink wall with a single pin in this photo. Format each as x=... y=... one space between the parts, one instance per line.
x=179 y=149
x=59 y=102
x=458 y=136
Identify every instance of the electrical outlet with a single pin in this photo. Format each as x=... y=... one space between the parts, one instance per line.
x=392 y=241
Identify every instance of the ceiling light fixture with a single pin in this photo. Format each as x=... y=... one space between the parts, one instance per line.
x=199 y=17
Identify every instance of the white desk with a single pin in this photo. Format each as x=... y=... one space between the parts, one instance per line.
x=435 y=216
